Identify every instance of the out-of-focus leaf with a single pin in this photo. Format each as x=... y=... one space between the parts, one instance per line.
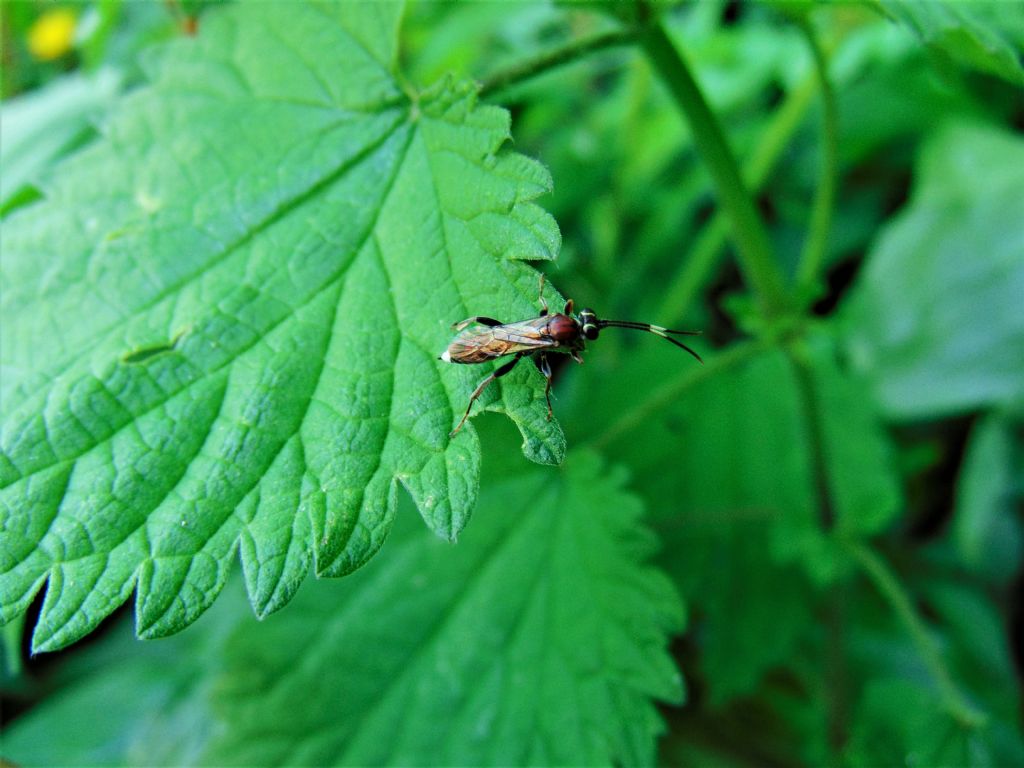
x=140 y=709
x=38 y=128
x=785 y=723
x=727 y=467
x=966 y=33
x=478 y=39
x=935 y=321
x=753 y=610
x=986 y=533
x=900 y=722
x=904 y=714
x=540 y=638
x=744 y=436
x=221 y=327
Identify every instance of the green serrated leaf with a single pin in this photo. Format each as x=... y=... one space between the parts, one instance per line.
x=756 y=413
x=540 y=638
x=934 y=322
x=754 y=610
x=739 y=500
x=221 y=328
x=729 y=465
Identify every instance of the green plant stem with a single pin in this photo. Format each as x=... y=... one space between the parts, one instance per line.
x=888 y=585
x=753 y=246
x=557 y=58
x=837 y=693
x=816 y=244
x=705 y=253
x=824 y=500
x=811 y=404
x=637 y=415
x=12 y=633
x=94 y=49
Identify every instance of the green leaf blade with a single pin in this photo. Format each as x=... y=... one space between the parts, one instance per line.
x=541 y=637
x=232 y=346
x=978 y=35
x=747 y=534
x=913 y=326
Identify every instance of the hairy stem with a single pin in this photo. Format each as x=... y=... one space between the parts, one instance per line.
x=554 y=59
x=816 y=244
x=834 y=664
x=753 y=246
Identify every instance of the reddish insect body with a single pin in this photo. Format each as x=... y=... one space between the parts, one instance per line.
x=481 y=339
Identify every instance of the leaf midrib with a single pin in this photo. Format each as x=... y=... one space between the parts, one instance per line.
x=330 y=284
x=217 y=258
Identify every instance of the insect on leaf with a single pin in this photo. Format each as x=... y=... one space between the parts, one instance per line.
x=221 y=325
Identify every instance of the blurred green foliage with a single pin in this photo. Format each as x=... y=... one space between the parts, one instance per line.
x=836 y=495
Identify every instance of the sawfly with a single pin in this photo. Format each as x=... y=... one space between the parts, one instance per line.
x=481 y=339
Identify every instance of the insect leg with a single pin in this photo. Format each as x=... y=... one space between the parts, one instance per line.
x=545 y=367
x=482 y=386
x=540 y=298
x=476 y=319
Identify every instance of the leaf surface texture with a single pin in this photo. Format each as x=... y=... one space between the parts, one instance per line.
x=540 y=639
x=232 y=344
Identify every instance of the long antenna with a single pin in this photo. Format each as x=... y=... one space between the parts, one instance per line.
x=657 y=330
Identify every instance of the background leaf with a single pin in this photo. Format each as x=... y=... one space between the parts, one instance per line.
x=43 y=125
x=928 y=349
x=234 y=344
x=724 y=410
x=902 y=714
x=739 y=509
x=986 y=531
x=984 y=35
x=541 y=638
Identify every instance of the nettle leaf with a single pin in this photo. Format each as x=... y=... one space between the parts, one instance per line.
x=221 y=328
x=738 y=501
x=739 y=461
x=541 y=638
x=934 y=322
x=972 y=35
x=900 y=721
x=904 y=714
x=754 y=609
x=986 y=532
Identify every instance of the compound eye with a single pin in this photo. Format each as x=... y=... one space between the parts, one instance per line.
x=590 y=331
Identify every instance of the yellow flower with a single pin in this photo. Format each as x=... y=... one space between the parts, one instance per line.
x=52 y=34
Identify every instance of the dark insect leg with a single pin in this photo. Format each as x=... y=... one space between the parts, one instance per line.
x=476 y=319
x=483 y=385
x=545 y=367
x=543 y=304
x=568 y=308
